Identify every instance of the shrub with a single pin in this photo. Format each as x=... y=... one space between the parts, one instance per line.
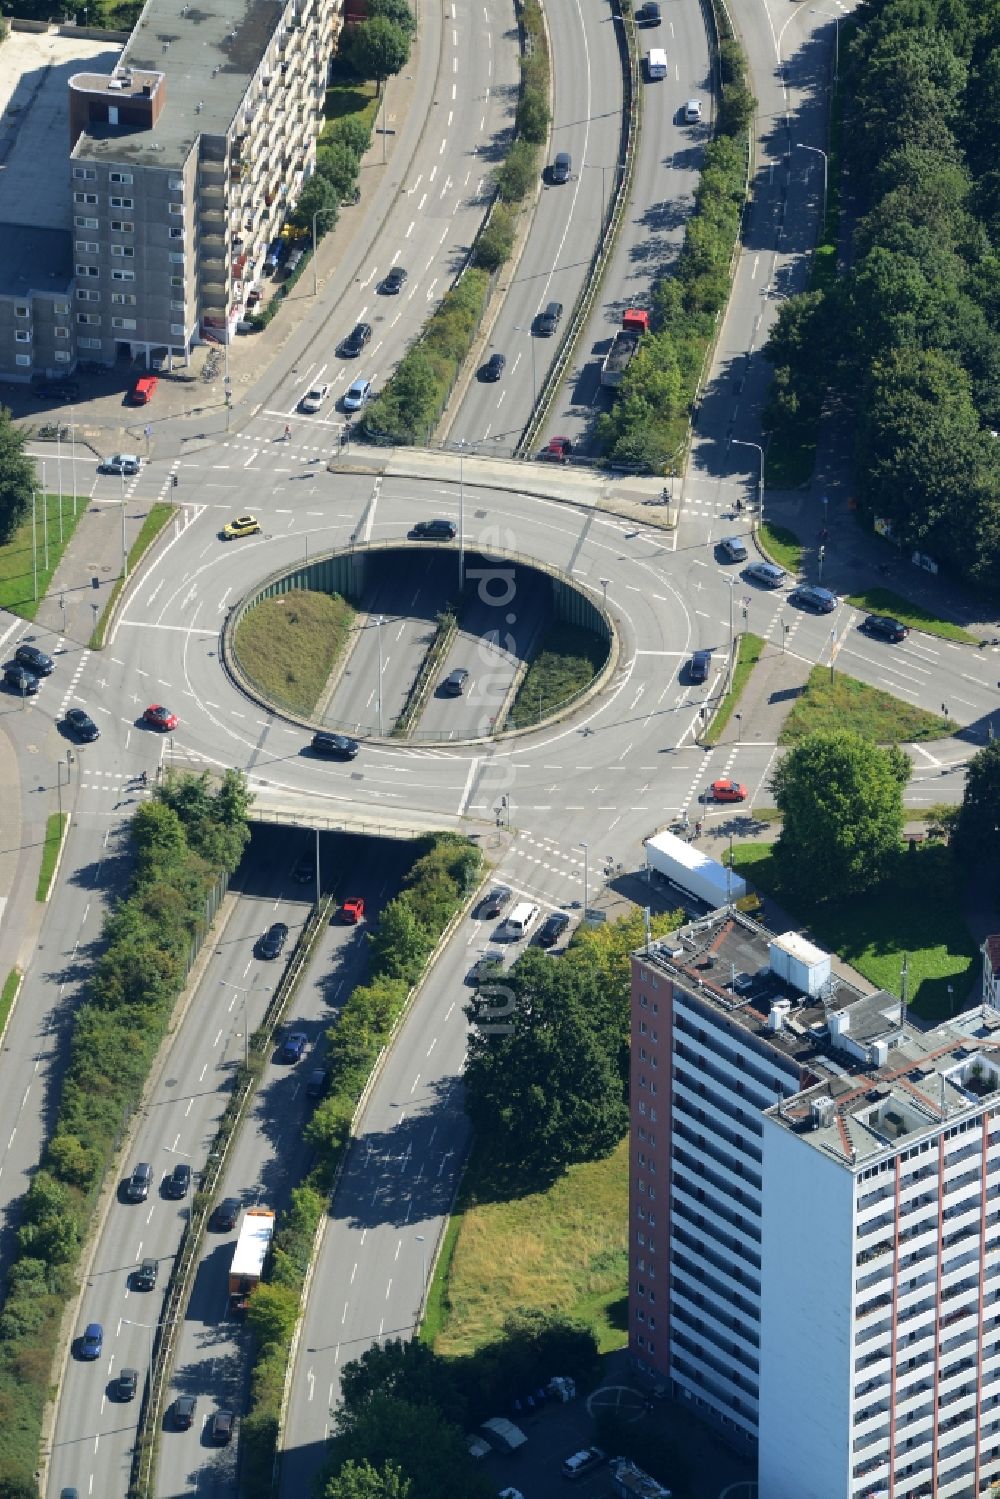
x=532 y=118
x=495 y=243
x=519 y=172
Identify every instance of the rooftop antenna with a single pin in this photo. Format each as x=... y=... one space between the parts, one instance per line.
x=905 y=976
x=646 y=914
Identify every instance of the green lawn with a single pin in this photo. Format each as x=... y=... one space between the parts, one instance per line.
x=783 y=546
x=567 y=662
x=564 y=1250
x=17 y=573
x=289 y=645
x=846 y=703
x=789 y=462
x=350 y=97
x=917 y=913
x=156 y=521
x=748 y=653
x=8 y=994
x=55 y=827
x=884 y=601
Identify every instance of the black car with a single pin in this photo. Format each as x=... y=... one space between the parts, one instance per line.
x=454 y=683
x=60 y=390
x=222 y=1427
x=184 y=1409
x=548 y=320
x=648 y=14
x=128 y=1383
x=701 y=665
x=562 y=168
x=226 y=1215
x=816 y=600
x=552 y=929
x=494 y=367
x=305 y=870
x=20 y=678
x=356 y=340
x=496 y=900
x=82 y=725
x=178 y=1183
x=885 y=628
x=144 y=1279
x=34 y=659
x=273 y=941
x=137 y=1189
x=92 y=367
x=394 y=281
x=434 y=530
x=338 y=746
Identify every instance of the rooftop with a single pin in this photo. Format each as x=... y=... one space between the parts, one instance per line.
x=208 y=54
x=34 y=260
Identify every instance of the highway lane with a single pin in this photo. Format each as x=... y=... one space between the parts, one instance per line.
x=586 y=122
x=94 y=1433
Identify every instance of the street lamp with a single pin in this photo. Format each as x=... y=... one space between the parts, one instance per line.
x=315 y=271
x=604 y=584
x=151 y=1328
x=739 y=720
x=225 y=983
x=586 y=878
x=124 y=550
x=520 y=328
x=800 y=146
x=832 y=14
x=739 y=442
x=421 y=1240
x=378 y=625
x=618 y=169
x=461 y=515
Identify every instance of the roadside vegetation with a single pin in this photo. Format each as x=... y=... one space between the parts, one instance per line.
x=846 y=703
x=884 y=601
x=782 y=546
x=749 y=650
x=8 y=994
x=437 y=649
x=184 y=841
x=55 y=828
x=54 y=517
x=445 y=870
x=568 y=660
x=288 y=645
x=159 y=517
x=645 y=428
x=906 y=341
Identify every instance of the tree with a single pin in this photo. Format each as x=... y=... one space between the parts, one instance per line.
x=400 y=945
x=410 y=1370
x=376 y=48
x=532 y=119
x=362 y=1481
x=977 y=832
x=397 y=11
x=338 y=164
x=17 y=476
x=415 y=1439
x=319 y=198
x=841 y=798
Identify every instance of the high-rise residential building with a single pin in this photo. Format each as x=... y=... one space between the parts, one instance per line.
x=814 y=1215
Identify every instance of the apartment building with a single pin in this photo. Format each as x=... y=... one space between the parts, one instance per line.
x=185 y=161
x=812 y=1217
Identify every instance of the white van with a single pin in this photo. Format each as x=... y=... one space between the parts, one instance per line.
x=656 y=63
x=520 y=921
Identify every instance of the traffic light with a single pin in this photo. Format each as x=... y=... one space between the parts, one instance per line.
x=173 y=480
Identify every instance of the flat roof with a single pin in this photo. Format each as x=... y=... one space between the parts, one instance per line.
x=208 y=54
x=251 y=1246
x=35 y=260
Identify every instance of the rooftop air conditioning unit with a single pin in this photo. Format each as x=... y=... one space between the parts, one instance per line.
x=822 y=1111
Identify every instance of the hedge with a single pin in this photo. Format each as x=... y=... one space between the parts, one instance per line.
x=409 y=928
x=183 y=841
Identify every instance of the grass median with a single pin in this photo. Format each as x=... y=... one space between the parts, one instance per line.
x=288 y=646
x=55 y=827
x=567 y=662
x=156 y=521
x=884 y=601
x=748 y=652
x=30 y=558
x=8 y=994
x=782 y=546
x=845 y=703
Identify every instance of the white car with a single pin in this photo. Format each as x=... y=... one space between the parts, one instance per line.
x=692 y=112
x=357 y=395
x=313 y=399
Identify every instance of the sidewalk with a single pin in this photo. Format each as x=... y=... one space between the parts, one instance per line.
x=776 y=682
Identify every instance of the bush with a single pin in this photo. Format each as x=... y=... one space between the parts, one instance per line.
x=496 y=241
x=532 y=118
x=519 y=172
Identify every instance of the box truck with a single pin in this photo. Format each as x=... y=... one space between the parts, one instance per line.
x=256 y=1232
x=656 y=63
x=692 y=871
x=635 y=322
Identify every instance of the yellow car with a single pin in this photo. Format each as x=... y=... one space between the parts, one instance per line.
x=243 y=525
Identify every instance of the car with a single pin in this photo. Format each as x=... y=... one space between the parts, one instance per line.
x=353 y=910
x=128 y=1383
x=314 y=398
x=20 y=678
x=767 y=574
x=648 y=14
x=552 y=928
x=183 y=1412
x=137 y=1188
x=454 y=683
x=294 y=260
x=357 y=395
x=82 y=725
x=561 y=169
x=305 y=870
x=725 y=790
x=226 y=1215
x=393 y=282
x=70 y=1493
x=337 y=746
x=733 y=549
x=92 y=367
x=548 y=319
x=159 y=717
x=700 y=666
x=120 y=463
x=510 y=1494
x=143 y=390
x=433 y=530
x=491 y=961
x=316 y=1085
x=494 y=367
x=240 y=525
x=816 y=600
x=556 y=450
x=584 y=1461
x=293 y=1046
x=35 y=660
x=356 y=340
x=144 y=1279
x=92 y=1342
x=222 y=1427
x=885 y=627
x=495 y=901
x=275 y=254
x=61 y=390
x=692 y=112
x=178 y=1183
x=272 y=943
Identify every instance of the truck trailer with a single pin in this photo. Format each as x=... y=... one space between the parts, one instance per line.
x=692 y=871
x=256 y=1232
x=635 y=322
x=630 y=1482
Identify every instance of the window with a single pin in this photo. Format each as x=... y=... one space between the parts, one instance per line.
x=88 y=317
x=85 y=174
x=120 y=202
x=60 y=307
x=22 y=359
x=84 y=197
x=122 y=299
x=177 y=307
x=176 y=185
x=177 y=329
x=124 y=177
x=122 y=226
x=176 y=207
x=177 y=281
x=123 y=322
x=63 y=356
x=123 y=275
x=177 y=257
x=87 y=270
x=61 y=332
x=83 y=294
x=177 y=234
x=87 y=247
x=22 y=310
x=89 y=343
x=127 y=251
x=81 y=223
x=22 y=336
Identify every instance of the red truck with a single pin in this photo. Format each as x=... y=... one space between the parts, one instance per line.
x=142 y=390
x=635 y=322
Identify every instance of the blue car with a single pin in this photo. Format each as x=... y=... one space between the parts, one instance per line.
x=295 y=1045
x=92 y=1342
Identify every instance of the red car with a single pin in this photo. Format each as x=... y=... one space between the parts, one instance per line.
x=160 y=718
x=556 y=450
x=353 y=910
x=142 y=390
x=728 y=791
